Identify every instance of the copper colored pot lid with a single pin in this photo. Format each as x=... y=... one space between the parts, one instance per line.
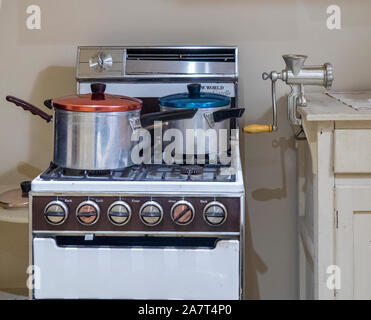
x=97 y=101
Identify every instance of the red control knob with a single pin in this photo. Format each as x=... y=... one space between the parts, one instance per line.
x=87 y=213
x=182 y=212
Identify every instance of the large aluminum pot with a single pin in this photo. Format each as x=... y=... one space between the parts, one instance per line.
x=205 y=128
x=93 y=141
x=93 y=131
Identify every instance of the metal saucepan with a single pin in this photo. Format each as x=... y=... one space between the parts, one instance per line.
x=93 y=131
x=213 y=112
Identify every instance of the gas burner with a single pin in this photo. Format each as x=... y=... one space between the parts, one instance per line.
x=150 y=172
x=191 y=170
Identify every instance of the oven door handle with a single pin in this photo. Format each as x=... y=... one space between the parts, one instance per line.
x=139 y=242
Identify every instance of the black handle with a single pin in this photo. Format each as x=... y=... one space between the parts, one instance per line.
x=26 y=188
x=148 y=119
x=194 y=90
x=225 y=114
x=49 y=104
x=97 y=90
x=28 y=106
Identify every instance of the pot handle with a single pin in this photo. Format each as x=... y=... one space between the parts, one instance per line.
x=148 y=119
x=49 y=104
x=26 y=188
x=225 y=114
x=27 y=106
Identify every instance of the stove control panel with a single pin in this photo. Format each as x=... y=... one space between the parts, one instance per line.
x=162 y=214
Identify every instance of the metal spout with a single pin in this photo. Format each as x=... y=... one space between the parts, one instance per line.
x=294 y=62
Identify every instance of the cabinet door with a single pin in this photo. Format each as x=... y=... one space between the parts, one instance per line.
x=353 y=241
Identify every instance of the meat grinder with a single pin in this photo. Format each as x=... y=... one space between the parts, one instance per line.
x=295 y=75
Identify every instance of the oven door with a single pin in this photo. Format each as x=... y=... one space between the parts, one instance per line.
x=114 y=269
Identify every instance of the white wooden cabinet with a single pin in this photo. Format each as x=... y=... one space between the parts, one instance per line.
x=334 y=201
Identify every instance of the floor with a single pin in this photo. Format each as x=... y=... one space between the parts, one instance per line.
x=8 y=296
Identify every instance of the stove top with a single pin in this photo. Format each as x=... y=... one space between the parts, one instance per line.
x=143 y=179
x=152 y=172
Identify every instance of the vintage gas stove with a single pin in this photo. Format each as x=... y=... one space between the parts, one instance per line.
x=150 y=231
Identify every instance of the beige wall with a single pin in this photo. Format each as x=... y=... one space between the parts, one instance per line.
x=37 y=65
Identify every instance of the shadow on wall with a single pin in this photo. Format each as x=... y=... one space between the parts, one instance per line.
x=23 y=169
x=266 y=194
x=52 y=82
x=283 y=144
x=13 y=257
x=254 y=263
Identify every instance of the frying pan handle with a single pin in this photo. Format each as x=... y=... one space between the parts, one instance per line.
x=225 y=114
x=27 y=106
x=148 y=119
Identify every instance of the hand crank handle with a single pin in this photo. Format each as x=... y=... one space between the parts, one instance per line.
x=258 y=128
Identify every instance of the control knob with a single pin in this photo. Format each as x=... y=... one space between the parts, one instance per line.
x=102 y=61
x=151 y=213
x=87 y=213
x=182 y=213
x=56 y=212
x=215 y=213
x=119 y=213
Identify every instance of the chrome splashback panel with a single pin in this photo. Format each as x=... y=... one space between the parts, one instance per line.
x=129 y=63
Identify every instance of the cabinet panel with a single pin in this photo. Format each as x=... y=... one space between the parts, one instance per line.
x=352 y=151
x=362 y=255
x=353 y=241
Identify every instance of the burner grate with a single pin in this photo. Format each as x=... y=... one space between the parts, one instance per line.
x=152 y=172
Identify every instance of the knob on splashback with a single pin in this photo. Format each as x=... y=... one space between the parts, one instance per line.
x=102 y=61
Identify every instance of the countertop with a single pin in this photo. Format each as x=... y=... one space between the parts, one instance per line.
x=322 y=107
x=12 y=215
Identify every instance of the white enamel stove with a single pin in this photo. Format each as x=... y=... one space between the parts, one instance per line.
x=150 y=231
